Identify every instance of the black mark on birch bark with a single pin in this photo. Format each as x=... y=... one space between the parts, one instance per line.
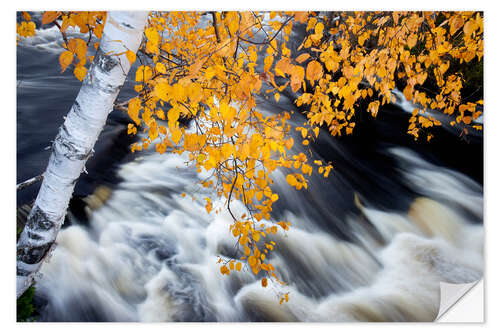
x=38 y=220
x=31 y=255
x=127 y=25
x=71 y=152
x=105 y=62
x=77 y=108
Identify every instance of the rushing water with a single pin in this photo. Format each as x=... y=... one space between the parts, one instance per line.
x=370 y=243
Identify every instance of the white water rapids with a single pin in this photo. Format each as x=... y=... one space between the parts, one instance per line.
x=150 y=255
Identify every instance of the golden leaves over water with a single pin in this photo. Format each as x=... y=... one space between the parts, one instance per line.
x=211 y=73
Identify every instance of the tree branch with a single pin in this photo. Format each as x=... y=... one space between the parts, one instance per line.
x=29 y=182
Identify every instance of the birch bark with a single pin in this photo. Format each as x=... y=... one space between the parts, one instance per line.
x=76 y=138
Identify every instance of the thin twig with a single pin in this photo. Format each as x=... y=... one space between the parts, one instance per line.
x=62 y=33
x=29 y=182
x=214 y=22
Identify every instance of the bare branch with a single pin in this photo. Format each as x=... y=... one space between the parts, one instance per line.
x=29 y=182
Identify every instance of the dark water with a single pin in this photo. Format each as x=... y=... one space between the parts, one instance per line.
x=146 y=254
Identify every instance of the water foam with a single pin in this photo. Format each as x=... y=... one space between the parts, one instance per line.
x=150 y=255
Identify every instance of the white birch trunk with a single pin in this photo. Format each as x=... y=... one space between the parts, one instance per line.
x=75 y=141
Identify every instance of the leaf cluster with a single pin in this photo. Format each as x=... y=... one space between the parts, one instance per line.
x=210 y=68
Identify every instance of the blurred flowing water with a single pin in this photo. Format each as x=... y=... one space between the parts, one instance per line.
x=369 y=243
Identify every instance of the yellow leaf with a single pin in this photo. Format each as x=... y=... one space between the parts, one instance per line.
x=264 y=282
x=373 y=108
x=277 y=97
x=160 y=68
x=252 y=261
x=153 y=131
x=65 y=59
x=412 y=40
x=291 y=180
x=348 y=71
x=289 y=143
x=297 y=77
x=80 y=49
x=259 y=195
x=208 y=206
x=456 y=23
x=301 y=16
x=26 y=29
x=314 y=71
x=283 y=66
x=134 y=105
x=161 y=90
x=160 y=114
x=232 y=22
x=328 y=168
x=153 y=40
x=80 y=72
x=408 y=90
x=268 y=61
x=238 y=266
x=311 y=23
x=209 y=73
x=26 y=16
x=49 y=17
x=130 y=56
x=318 y=29
x=143 y=73
x=176 y=135
x=468 y=28
x=227 y=112
x=246 y=23
x=195 y=68
x=131 y=129
x=226 y=48
x=224 y=270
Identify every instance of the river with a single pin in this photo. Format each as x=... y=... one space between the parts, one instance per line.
x=370 y=243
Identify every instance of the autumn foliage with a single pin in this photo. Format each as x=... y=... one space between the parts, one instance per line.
x=212 y=67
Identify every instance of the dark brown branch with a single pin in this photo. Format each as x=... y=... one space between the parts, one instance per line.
x=230 y=194
x=62 y=33
x=214 y=22
x=29 y=182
